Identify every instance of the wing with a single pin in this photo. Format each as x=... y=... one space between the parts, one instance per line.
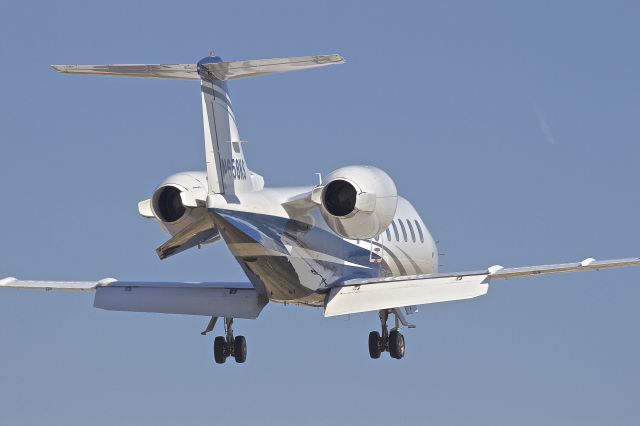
x=234 y=300
x=364 y=295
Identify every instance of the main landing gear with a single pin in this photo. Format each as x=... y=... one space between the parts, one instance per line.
x=391 y=341
x=227 y=345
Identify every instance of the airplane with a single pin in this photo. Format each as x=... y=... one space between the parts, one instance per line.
x=349 y=244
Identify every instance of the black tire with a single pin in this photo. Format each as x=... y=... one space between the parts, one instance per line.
x=240 y=349
x=396 y=344
x=374 y=345
x=218 y=350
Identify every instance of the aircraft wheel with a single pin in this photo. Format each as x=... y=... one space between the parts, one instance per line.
x=396 y=344
x=219 y=350
x=240 y=349
x=374 y=345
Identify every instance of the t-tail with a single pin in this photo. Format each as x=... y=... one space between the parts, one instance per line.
x=227 y=171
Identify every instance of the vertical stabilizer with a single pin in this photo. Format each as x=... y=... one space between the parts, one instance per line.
x=227 y=171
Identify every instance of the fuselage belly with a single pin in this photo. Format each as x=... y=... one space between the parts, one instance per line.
x=293 y=256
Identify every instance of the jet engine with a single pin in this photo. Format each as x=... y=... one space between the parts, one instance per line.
x=179 y=201
x=357 y=202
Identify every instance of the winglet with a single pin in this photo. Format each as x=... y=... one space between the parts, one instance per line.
x=495 y=268
x=7 y=281
x=587 y=261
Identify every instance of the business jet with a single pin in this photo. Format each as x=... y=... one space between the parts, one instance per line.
x=349 y=244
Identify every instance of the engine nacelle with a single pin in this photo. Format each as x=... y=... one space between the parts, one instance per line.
x=358 y=202
x=179 y=201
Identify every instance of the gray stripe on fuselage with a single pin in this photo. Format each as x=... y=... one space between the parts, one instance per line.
x=393 y=257
x=216 y=94
x=413 y=263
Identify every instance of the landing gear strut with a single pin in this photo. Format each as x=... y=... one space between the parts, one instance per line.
x=226 y=346
x=391 y=341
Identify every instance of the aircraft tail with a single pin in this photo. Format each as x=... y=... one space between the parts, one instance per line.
x=227 y=172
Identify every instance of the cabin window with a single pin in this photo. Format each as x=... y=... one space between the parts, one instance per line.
x=395 y=230
x=404 y=231
x=413 y=234
x=419 y=231
x=388 y=234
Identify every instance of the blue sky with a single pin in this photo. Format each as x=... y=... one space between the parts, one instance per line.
x=513 y=127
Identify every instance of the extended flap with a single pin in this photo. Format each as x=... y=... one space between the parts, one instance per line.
x=351 y=299
x=181 y=298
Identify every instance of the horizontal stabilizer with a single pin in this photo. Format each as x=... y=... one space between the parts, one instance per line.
x=166 y=71
x=218 y=70
x=256 y=67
